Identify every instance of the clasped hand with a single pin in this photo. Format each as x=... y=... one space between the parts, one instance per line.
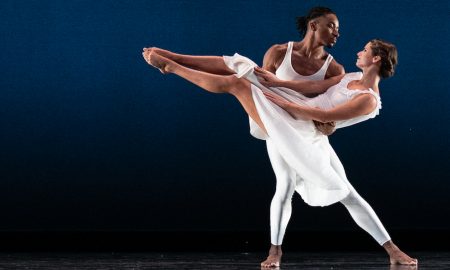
x=266 y=78
x=269 y=79
x=285 y=104
x=298 y=111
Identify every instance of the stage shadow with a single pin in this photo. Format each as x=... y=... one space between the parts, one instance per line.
x=391 y=267
x=402 y=267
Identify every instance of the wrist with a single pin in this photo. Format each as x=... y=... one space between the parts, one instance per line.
x=281 y=83
x=323 y=116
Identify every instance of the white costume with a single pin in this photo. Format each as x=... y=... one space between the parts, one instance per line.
x=301 y=156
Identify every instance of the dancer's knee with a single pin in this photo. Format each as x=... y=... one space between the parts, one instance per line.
x=284 y=194
x=238 y=86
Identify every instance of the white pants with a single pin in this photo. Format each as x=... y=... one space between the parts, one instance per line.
x=281 y=206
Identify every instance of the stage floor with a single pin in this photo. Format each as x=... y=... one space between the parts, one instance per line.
x=214 y=261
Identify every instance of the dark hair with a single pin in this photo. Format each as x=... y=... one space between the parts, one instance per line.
x=315 y=12
x=388 y=54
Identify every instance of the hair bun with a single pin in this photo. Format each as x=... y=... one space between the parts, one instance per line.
x=388 y=53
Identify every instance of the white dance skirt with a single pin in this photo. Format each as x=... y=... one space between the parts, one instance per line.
x=321 y=178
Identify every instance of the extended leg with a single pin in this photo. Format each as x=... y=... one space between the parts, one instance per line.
x=366 y=218
x=240 y=88
x=281 y=206
x=209 y=64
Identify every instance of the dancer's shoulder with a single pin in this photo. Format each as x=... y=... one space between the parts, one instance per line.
x=334 y=69
x=278 y=48
x=274 y=56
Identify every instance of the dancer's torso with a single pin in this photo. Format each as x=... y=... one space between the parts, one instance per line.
x=334 y=96
x=286 y=71
x=339 y=94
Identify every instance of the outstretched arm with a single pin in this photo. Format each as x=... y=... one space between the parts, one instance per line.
x=360 y=105
x=305 y=87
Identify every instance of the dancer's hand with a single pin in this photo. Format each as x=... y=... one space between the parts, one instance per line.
x=282 y=102
x=325 y=128
x=267 y=78
x=295 y=110
x=285 y=104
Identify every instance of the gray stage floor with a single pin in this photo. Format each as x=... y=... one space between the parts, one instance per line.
x=213 y=261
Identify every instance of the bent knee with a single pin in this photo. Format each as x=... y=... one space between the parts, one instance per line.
x=282 y=199
x=284 y=192
x=238 y=86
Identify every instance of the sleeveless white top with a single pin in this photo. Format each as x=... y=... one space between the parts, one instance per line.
x=305 y=150
x=286 y=71
x=339 y=93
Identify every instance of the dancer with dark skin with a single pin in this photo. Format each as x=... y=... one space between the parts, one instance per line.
x=320 y=29
x=308 y=56
x=369 y=62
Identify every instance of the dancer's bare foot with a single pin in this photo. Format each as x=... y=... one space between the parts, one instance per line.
x=156 y=60
x=402 y=267
x=274 y=258
x=396 y=256
x=165 y=53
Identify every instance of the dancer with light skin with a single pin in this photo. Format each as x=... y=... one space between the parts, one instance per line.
x=377 y=60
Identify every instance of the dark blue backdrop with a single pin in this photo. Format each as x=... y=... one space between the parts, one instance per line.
x=92 y=138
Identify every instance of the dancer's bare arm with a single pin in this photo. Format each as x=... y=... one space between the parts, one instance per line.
x=362 y=104
x=273 y=57
x=305 y=87
x=272 y=60
x=334 y=69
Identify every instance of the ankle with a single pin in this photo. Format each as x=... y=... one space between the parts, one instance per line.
x=275 y=250
x=390 y=247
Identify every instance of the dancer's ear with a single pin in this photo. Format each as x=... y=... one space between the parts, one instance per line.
x=376 y=59
x=312 y=25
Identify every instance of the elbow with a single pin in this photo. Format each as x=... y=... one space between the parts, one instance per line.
x=312 y=87
x=317 y=88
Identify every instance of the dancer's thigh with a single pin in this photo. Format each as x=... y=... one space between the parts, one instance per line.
x=283 y=172
x=279 y=165
x=242 y=90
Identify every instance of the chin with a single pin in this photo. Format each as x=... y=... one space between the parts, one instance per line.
x=330 y=45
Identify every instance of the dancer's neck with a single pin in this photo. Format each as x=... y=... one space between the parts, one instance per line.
x=310 y=48
x=370 y=78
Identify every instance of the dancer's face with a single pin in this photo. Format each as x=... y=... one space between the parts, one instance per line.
x=366 y=57
x=326 y=29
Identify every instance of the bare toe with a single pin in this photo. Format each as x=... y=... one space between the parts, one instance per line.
x=403 y=259
x=271 y=262
x=158 y=62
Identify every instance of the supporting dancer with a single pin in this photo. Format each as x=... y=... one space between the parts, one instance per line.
x=319 y=28
x=289 y=61
x=303 y=60
x=323 y=180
